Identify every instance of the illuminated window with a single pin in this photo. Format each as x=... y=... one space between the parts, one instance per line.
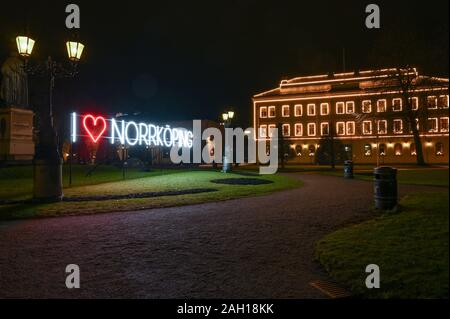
x=443 y=101
x=398 y=126
x=340 y=108
x=298 y=110
x=382 y=149
x=412 y=149
x=285 y=111
x=272 y=111
x=311 y=110
x=263 y=112
x=263 y=131
x=324 y=109
x=325 y=129
x=311 y=150
x=396 y=105
x=350 y=107
x=271 y=128
x=367 y=127
x=411 y=127
x=439 y=149
x=366 y=106
x=381 y=106
x=367 y=150
x=432 y=102
x=433 y=125
x=444 y=124
x=340 y=128
x=311 y=129
x=398 y=148
x=298 y=129
x=382 y=127
x=286 y=130
x=414 y=103
x=350 y=128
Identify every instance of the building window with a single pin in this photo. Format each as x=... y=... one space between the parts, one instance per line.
x=298 y=110
x=367 y=127
x=298 y=129
x=340 y=128
x=285 y=111
x=298 y=150
x=433 y=125
x=381 y=106
x=350 y=107
x=443 y=101
x=324 y=109
x=412 y=149
x=396 y=105
x=366 y=106
x=311 y=150
x=398 y=149
x=263 y=112
x=432 y=102
x=350 y=128
x=414 y=103
x=311 y=129
x=270 y=129
x=286 y=130
x=398 y=126
x=382 y=149
x=311 y=110
x=444 y=124
x=340 y=108
x=367 y=150
x=272 y=111
x=325 y=129
x=263 y=131
x=382 y=127
x=439 y=149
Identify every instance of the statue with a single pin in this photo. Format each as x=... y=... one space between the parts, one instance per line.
x=14 y=86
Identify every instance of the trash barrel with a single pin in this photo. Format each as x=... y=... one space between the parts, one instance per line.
x=348 y=169
x=385 y=187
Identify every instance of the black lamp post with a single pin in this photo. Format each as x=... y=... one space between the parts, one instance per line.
x=227 y=118
x=47 y=164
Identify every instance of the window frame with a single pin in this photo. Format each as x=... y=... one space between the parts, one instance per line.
x=261 y=109
x=343 y=107
x=288 y=131
x=344 y=130
x=347 y=128
x=269 y=108
x=401 y=126
x=327 y=108
x=315 y=129
x=378 y=105
x=347 y=103
x=322 y=126
x=314 y=108
x=370 y=106
x=371 y=127
x=296 y=107
x=301 y=129
x=385 y=127
x=393 y=104
x=283 y=108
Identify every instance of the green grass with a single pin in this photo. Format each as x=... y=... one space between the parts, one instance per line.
x=411 y=247
x=161 y=181
x=424 y=176
x=16 y=182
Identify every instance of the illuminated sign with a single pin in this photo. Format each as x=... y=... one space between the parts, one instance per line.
x=129 y=133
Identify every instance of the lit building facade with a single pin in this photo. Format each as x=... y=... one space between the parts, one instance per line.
x=363 y=114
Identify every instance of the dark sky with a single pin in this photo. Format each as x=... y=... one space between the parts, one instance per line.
x=191 y=59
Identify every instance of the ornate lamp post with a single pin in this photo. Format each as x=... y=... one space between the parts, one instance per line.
x=47 y=164
x=227 y=118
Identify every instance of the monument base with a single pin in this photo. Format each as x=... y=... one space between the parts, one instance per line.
x=16 y=135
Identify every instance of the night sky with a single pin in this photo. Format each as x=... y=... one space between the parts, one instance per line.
x=177 y=60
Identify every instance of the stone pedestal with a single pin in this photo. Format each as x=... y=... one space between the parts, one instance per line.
x=16 y=135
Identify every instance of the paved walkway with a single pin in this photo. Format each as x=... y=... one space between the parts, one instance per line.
x=256 y=247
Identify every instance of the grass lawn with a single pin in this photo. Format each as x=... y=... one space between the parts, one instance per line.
x=413 y=176
x=169 y=180
x=410 y=247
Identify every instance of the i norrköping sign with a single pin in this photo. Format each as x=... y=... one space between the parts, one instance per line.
x=130 y=133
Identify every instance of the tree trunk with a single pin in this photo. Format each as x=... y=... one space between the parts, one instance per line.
x=418 y=143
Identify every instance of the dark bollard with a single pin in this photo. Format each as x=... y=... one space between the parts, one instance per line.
x=385 y=187
x=348 y=169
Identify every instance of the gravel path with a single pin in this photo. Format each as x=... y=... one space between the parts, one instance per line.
x=256 y=247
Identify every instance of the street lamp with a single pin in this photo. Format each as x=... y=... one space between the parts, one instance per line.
x=227 y=118
x=47 y=164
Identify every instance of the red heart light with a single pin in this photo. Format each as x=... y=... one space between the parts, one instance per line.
x=97 y=130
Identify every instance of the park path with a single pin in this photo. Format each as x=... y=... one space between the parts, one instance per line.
x=259 y=247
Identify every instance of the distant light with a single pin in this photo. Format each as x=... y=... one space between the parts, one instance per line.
x=225 y=116
x=230 y=115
